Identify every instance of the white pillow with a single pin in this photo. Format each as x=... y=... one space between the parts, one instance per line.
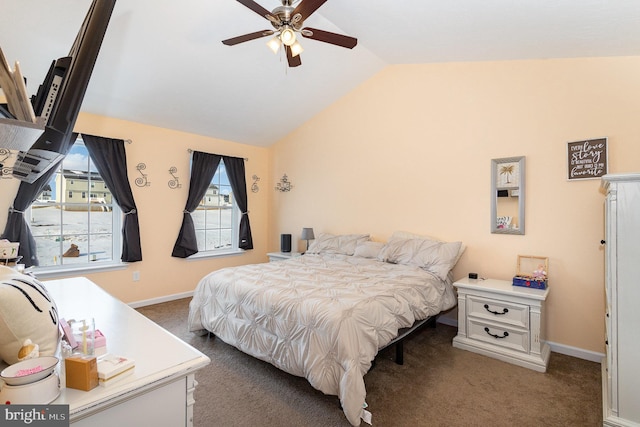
x=400 y=251
x=430 y=255
x=368 y=249
x=409 y=235
x=336 y=244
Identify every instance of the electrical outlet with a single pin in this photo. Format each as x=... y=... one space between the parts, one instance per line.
x=136 y=276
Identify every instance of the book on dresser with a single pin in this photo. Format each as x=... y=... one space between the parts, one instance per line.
x=112 y=368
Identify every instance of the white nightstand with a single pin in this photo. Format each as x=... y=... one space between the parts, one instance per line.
x=502 y=321
x=281 y=256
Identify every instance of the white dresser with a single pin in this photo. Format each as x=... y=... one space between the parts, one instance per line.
x=502 y=321
x=158 y=393
x=621 y=366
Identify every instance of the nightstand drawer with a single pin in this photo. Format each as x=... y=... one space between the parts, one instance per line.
x=498 y=311
x=498 y=334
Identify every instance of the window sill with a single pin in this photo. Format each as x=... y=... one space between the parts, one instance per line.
x=217 y=254
x=53 y=272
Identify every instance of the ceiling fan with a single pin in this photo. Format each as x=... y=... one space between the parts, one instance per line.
x=287 y=20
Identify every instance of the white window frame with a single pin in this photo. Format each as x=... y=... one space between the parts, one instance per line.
x=235 y=228
x=114 y=263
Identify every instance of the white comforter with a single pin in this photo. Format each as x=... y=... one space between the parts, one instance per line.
x=322 y=317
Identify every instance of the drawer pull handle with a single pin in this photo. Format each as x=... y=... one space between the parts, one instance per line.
x=497 y=313
x=506 y=334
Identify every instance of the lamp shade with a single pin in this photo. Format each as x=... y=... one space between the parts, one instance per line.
x=288 y=36
x=274 y=44
x=296 y=49
x=307 y=234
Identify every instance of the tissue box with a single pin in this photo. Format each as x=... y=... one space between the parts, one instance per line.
x=81 y=372
x=532 y=272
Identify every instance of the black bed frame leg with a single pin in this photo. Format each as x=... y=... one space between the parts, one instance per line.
x=400 y=353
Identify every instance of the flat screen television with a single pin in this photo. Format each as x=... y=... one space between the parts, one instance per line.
x=60 y=96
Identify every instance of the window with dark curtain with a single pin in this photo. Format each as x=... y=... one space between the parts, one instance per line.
x=203 y=168
x=17 y=229
x=235 y=171
x=110 y=159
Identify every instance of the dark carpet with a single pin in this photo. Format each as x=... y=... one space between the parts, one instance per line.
x=438 y=385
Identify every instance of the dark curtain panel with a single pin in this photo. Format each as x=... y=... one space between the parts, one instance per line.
x=111 y=161
x=17 y=229
x=235 y=171
x=203 y=168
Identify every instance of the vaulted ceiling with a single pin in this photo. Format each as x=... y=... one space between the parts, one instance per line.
x=162 y=62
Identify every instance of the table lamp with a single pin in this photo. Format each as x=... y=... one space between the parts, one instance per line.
x=307 y=234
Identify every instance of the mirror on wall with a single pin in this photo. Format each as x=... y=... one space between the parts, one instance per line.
x=507 y=195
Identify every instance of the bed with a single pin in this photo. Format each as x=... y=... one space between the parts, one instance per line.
x=325 y=315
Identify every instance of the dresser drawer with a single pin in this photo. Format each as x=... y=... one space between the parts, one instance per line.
x=494 y=310
x=498 y=334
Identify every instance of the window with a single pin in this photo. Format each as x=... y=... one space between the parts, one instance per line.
x=217 y=219
x=71 y=230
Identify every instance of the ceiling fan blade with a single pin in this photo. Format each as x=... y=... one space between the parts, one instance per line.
x=245 y=38
x=307 y=7
x=294 y=61
x=329 y=37
x=259 y=9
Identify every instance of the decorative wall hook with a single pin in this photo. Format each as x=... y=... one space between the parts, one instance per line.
x=173 y=183
x=5 y=171
x=254 y=186
x=142 y=181
x=284 y=185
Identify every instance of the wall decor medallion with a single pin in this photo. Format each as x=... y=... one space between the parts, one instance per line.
x=142 y=180
x=284 y=185
x=174 y=183
x=5 y=171
x=254 y=186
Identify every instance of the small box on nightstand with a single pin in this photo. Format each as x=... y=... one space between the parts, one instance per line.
x=532 y=272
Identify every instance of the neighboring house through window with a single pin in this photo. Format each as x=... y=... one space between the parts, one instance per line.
x=72 y=230
x=217 y=219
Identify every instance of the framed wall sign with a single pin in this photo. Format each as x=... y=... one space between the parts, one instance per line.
x=587 y=159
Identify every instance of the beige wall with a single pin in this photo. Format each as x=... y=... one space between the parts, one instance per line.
x=410 y=149
x=160 y=207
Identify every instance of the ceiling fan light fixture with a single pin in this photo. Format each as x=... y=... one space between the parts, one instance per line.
x=274 y=44
x=288 y=36
x=296 y=49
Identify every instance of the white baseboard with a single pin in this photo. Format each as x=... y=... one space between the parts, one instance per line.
x=568 y=350
x=580 y=353
x=167 y=298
